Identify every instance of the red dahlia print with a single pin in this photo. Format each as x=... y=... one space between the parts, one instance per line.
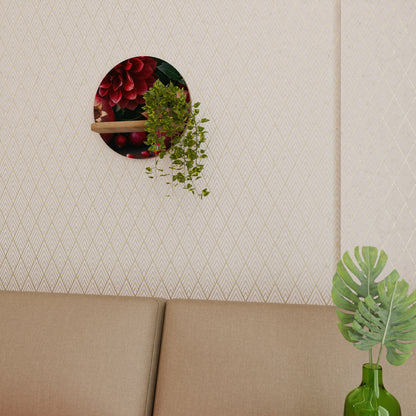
x=126 y=83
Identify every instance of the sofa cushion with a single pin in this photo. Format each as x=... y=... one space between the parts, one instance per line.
x=228 y=359
x=78 y=355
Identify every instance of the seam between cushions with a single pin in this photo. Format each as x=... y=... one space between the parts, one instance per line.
x=151 y=386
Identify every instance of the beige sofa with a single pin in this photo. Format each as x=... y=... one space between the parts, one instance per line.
x=67 y=355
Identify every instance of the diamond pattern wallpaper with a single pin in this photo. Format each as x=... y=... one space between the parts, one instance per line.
x=378 y=112
x=77 y=217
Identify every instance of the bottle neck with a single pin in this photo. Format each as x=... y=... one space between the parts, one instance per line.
x=372 y=375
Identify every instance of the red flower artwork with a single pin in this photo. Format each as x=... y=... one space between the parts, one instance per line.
x=126 y=83
x=119 y=97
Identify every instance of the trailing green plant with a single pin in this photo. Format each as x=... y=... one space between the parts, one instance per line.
x=370 y=312
x=173 y=124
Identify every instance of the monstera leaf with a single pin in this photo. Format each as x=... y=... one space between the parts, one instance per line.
x=389 y=321
x=348 y=291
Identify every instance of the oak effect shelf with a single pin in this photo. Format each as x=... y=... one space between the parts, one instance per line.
x=118 y=126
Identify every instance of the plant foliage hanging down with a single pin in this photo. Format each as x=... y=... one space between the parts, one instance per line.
x=370 y=312
x=172 y=121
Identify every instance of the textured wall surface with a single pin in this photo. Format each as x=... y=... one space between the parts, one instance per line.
x=378 y=113
x=77 y=217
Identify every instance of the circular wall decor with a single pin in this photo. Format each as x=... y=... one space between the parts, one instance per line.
x=119 y=103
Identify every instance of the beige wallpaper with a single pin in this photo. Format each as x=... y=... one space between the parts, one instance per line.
x=378 y=172
x=77 y=217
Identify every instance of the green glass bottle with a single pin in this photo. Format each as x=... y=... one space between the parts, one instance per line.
x=370 y=398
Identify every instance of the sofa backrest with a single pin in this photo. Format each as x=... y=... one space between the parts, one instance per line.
x=248 y=359
x=72 y=355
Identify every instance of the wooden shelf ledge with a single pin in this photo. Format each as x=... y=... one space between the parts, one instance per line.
x=118 y=126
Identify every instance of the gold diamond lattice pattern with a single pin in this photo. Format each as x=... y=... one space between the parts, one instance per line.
x=77 y=217
x=378 y=112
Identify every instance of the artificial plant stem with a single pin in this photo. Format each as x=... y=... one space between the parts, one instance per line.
x=379 y=355
x=370 y=352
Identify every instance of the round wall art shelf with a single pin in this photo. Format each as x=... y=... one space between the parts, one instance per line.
x=118 y=106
